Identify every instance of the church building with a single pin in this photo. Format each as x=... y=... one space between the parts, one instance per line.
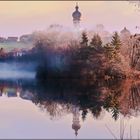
x=76 y=17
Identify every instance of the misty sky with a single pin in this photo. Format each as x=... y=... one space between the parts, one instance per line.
x=21 y=17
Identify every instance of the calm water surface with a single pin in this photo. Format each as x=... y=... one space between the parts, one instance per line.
x=68 y=109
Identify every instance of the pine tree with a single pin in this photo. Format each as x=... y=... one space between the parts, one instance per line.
x=84 y=42
x=116 y=41
x=96 y=41
x=110 y=51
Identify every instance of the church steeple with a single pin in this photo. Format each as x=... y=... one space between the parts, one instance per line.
x=76 y=7
x=76 y=122
x=76 y=16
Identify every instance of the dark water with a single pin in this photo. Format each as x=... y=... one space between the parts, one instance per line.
x=67 y=108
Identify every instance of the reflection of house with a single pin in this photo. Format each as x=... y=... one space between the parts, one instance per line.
x=76 y=122
x=14 y=92
x=10 y=92
x=17 y=52
x=27 y=95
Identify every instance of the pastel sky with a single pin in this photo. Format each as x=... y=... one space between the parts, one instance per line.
x=21 y=17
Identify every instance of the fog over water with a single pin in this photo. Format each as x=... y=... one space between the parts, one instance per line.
x=17 y=70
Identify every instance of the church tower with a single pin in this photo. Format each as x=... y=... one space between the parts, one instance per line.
x=76 y=17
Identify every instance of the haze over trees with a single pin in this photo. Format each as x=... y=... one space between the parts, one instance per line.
x=91 y=58
x=64 y=54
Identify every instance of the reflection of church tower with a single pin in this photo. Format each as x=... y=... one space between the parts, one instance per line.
x=76 y=122
x=76 y=17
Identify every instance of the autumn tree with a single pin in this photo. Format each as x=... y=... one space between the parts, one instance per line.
x=135 y=51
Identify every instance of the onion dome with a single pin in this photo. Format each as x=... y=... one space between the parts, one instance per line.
x=76 y=14
x=76 y=127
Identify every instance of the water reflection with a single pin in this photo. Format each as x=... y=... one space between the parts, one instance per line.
x=59 y=98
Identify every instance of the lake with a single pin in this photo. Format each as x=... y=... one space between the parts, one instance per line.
x=67 y=109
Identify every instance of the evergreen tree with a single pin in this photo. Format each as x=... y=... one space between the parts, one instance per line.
x=84 y=42
x=96 y=41
x=116 y=42
x=110 y=51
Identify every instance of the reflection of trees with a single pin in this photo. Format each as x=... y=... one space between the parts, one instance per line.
x=110 y=96
x=124 y=99
x=58 y=97
x=130 y=101
x=112 y=103
x=84 y=114
x=134 y=97
x=54 y=109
